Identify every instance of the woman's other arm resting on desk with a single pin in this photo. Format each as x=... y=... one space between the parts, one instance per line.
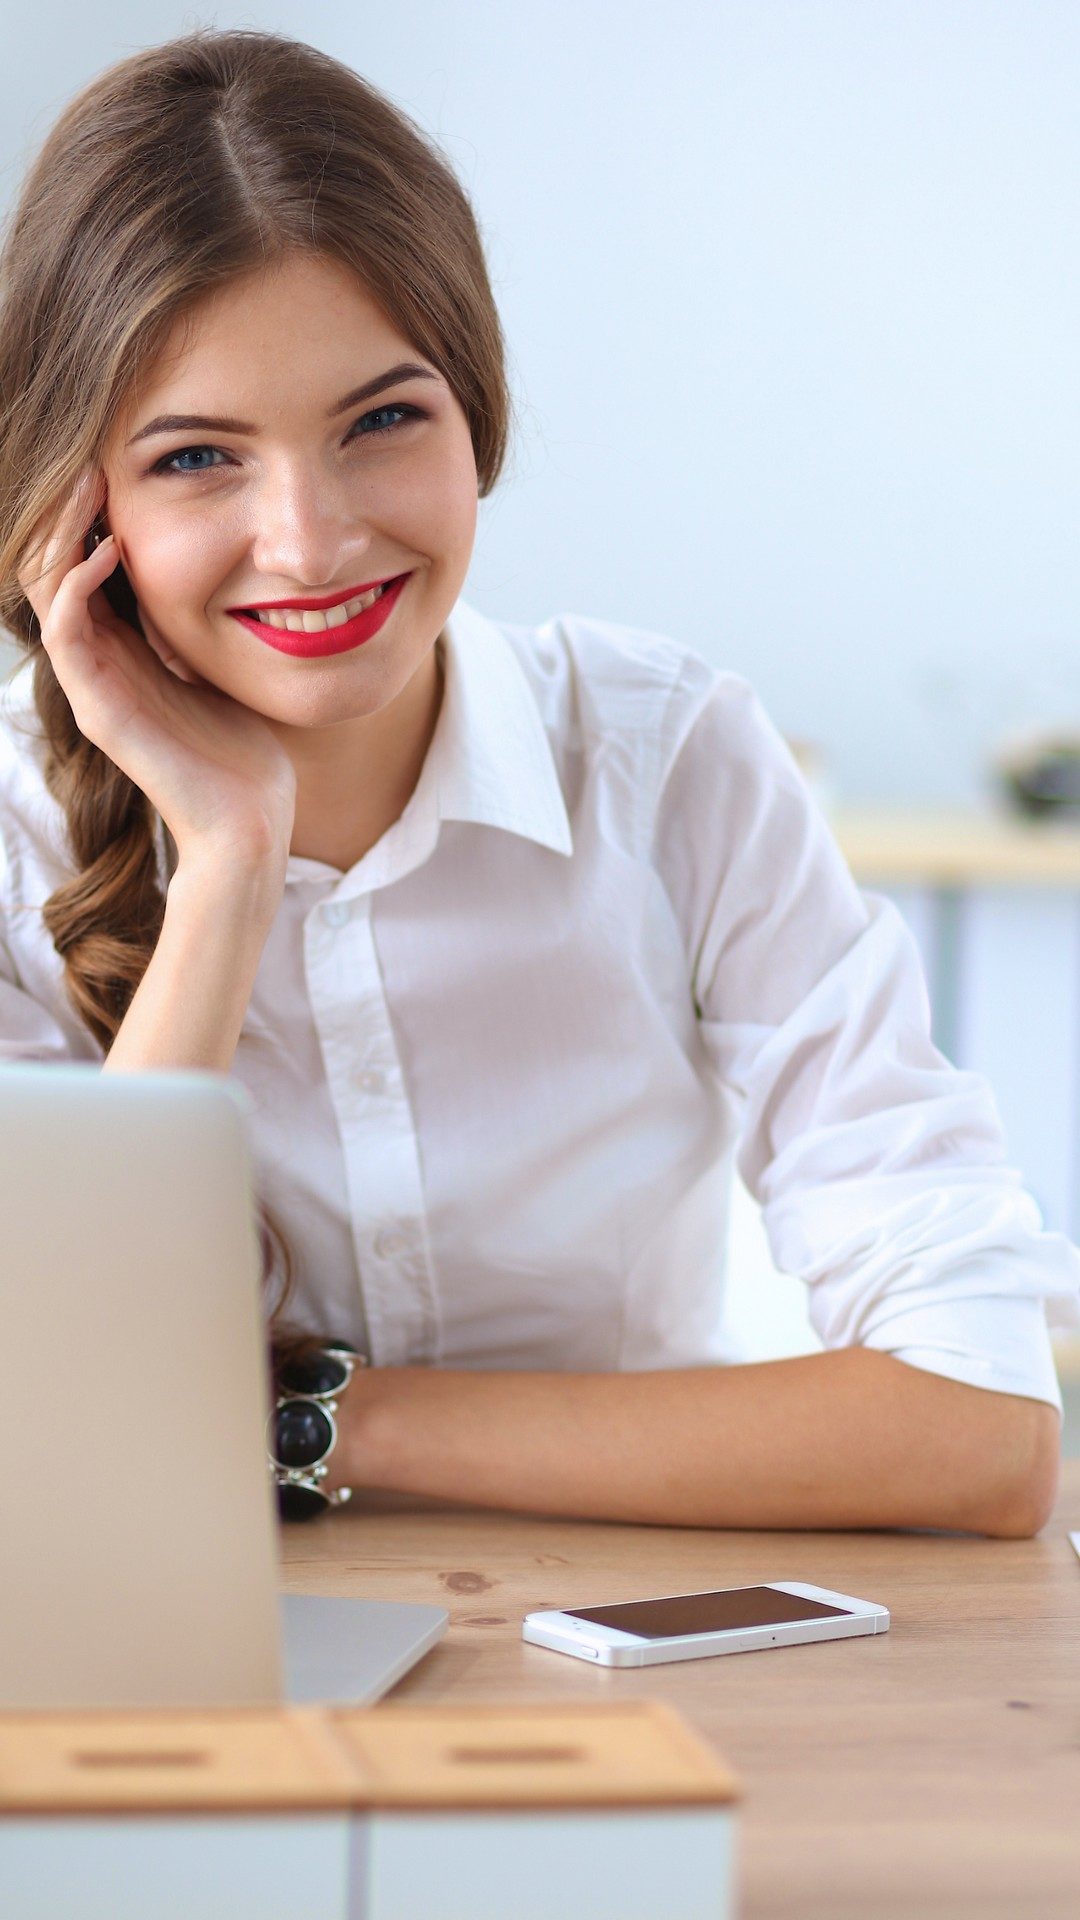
x=852 y=1438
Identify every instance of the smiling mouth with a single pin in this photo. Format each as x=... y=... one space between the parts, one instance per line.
x=316 y=620
x=313 y=632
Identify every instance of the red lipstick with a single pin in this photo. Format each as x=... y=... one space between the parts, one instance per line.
x=313 y=606
x=352 y=633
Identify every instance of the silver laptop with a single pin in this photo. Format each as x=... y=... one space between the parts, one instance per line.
x=138 y=1524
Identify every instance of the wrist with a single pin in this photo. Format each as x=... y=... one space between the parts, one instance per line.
x=358 y=1458
x=235 y=876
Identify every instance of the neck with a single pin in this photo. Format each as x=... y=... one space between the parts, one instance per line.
x=355 y=779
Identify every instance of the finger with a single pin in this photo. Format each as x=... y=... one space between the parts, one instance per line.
x=56 y=543
x=66 y=616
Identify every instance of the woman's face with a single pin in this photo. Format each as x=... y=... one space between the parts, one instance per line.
x=299 y=498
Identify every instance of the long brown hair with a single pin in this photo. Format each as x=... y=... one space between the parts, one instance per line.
x=175 y=171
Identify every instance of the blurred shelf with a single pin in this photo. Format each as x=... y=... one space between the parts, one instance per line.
x=1067 y=1355
x=936 y=848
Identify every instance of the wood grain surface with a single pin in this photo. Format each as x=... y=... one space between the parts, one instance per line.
x=933 y=1770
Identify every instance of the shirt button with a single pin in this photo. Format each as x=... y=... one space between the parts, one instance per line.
x=336 y=913
x=371 y=1081
x=386 y=1243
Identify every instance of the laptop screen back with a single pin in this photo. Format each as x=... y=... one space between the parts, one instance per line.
x=139 y=1539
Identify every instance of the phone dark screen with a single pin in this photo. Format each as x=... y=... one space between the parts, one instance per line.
x=116 y=586
x=707 y=1612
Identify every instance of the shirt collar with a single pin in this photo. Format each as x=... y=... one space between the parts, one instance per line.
x=489 y=761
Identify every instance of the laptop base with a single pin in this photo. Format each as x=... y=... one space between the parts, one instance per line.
x=350 y=1652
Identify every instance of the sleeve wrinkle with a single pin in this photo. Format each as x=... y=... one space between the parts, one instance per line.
x=881 y=1168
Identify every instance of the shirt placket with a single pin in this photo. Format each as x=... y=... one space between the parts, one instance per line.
x=378 y=1134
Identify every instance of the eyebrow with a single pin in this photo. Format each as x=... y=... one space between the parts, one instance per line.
x=180 y=422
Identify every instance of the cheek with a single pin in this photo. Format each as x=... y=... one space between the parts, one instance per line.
x=440 y=499
x=170 y=561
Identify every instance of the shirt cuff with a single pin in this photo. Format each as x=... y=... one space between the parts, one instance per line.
x=997 y=1341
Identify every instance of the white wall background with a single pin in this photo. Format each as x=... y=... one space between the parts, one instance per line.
x=792 y=289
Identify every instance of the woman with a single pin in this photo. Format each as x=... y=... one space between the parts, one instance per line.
x=517 y=937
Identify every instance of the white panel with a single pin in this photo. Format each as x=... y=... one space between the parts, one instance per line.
x=1019 y=959
x=634 y=1865
x=276 y=1867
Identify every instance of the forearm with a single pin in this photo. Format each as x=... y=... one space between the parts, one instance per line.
x=189 y=1007
x=850 y=1438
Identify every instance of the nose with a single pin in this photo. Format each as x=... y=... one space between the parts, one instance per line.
x=307 y=531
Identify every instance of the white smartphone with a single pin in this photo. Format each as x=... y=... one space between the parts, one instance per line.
x=690 y=1626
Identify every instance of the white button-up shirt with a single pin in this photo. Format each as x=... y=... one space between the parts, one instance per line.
x=502 y=1067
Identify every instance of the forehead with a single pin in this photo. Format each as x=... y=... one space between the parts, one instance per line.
x=298 y=328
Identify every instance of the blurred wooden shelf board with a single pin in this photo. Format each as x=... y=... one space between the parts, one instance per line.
x=465 y=1812
x=396 y=1756
x=960 y=848
x=1067 y=1355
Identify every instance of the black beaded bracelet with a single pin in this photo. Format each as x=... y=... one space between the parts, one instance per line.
x=302 y=1431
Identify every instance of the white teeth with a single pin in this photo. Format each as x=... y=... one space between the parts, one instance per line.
x=322 y=621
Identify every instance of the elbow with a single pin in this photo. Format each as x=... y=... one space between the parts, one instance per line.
x=1028 y=1481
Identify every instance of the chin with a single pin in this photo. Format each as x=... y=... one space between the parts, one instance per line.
x=322 y=701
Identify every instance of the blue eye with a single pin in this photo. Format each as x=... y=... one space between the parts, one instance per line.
x=167 y=464
x=407 y=411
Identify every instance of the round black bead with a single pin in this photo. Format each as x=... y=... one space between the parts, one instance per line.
x=314 y=1373
x=301 y=1503
x=341 y=1347
x=302 y=1434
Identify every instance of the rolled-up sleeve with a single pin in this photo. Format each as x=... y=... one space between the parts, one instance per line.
x=34 y=1025
x=881 y=1169
x=28 y=1029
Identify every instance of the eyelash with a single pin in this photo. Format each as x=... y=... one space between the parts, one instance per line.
x=165 y=466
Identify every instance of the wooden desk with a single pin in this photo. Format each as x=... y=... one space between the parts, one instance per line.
x=931 y=1771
